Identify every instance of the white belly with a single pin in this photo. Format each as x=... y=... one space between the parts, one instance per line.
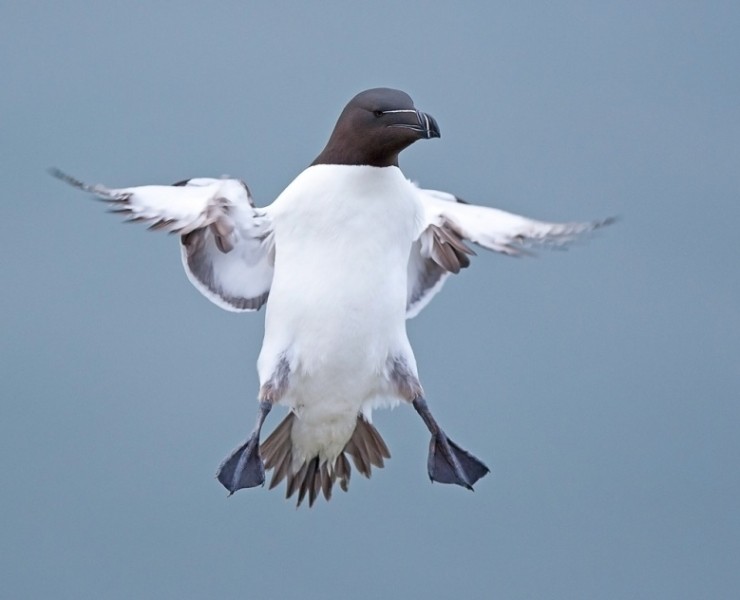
x=337 y=304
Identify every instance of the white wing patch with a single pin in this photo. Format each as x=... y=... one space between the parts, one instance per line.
x=449 y=223
x=238 y=280
x=226 y=243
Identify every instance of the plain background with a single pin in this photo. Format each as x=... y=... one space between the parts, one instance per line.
x=601 y=385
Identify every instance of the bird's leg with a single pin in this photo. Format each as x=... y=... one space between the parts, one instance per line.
x=244 y=467
x=447 y=462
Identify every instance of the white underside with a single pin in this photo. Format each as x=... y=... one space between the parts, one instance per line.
x=337 y=305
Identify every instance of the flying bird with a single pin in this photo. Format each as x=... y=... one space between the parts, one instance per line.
x=347 y=253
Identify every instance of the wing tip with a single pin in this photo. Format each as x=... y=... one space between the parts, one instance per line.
x=65 y=177
x=611 y=220
x=98 y=190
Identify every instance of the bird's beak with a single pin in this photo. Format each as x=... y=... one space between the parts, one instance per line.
x=417 y=121
x=431 y=129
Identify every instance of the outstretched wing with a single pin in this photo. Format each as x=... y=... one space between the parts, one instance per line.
x=441 y=248
x=227 y=243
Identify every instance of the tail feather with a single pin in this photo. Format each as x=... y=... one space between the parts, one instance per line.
x=359 y=456
x=343 y=471
x=366 y=447
x=370 y=444
x=276 y=450
x=326 y=482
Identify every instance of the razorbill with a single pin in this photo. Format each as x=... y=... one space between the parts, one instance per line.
x=344 y=255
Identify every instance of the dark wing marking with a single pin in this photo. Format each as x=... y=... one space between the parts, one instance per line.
x=439 y=251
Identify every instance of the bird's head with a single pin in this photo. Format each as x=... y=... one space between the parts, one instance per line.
x=374 y=127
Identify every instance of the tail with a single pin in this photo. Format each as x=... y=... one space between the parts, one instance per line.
x=366 y=447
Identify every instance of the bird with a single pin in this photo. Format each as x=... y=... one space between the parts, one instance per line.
x=340 y=260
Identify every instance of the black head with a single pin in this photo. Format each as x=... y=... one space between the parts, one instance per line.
x=374 y=127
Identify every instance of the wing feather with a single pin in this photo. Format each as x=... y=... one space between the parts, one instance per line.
x=226 y=243
x=449 y=222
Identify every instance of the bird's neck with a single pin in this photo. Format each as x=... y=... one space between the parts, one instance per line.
x=339 y=151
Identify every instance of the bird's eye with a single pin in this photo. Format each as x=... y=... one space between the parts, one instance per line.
x=378 y=113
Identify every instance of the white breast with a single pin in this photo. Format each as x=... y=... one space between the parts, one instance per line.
x=337 y=305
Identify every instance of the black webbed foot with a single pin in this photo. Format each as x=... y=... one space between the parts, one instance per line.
x=243 y=468
x=448 y=463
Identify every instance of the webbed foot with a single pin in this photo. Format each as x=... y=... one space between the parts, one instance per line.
x=448 y=463
x=243 y=468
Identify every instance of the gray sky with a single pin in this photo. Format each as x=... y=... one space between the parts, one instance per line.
x=601 y=384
